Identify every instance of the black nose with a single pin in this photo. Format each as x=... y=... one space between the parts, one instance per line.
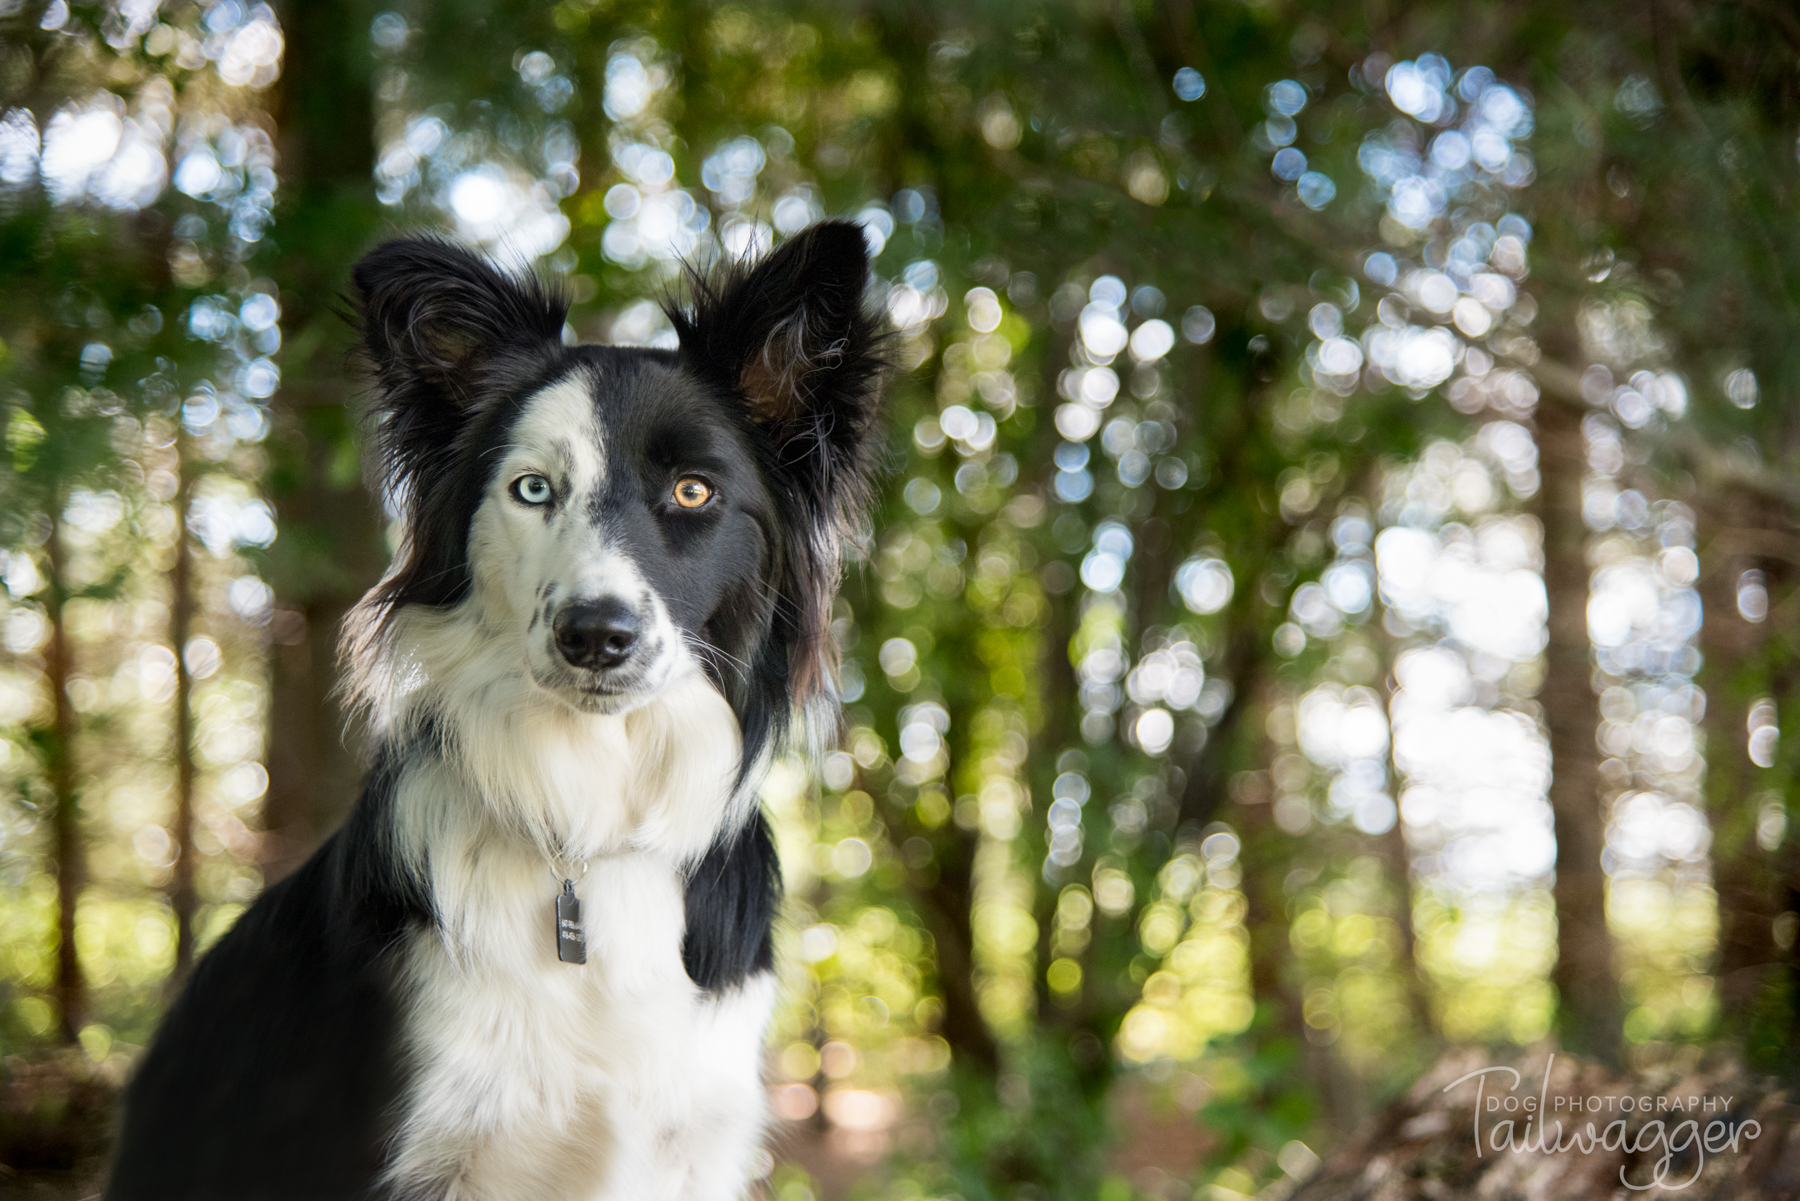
x=596 y=634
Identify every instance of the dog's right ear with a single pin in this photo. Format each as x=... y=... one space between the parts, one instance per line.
x=447 y=335
x=436 y=316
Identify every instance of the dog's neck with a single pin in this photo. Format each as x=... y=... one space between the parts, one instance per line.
x=502 y=762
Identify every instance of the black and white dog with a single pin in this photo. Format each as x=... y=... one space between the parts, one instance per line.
x=613 y=593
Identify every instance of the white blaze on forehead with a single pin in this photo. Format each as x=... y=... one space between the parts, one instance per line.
x=559 y=433
x=530 y=564
x=605 y=570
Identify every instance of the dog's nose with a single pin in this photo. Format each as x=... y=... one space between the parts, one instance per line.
x=596 y=634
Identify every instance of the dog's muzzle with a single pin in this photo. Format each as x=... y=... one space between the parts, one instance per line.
x=597 y=635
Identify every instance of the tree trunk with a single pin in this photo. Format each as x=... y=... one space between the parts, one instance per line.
x=943 y=889
x=1280 y=1032
x=1298 y=1066
x=947 y=905
x=183 y=899
x=67 y=848
x=1232 y=765
x=1058 y=730
x=1210 y=768
x=330 y=547
x=1588 y=1009
x=1750 y=897
x=1391 y=847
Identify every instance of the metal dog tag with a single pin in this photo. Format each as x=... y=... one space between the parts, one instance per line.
x=571 y=943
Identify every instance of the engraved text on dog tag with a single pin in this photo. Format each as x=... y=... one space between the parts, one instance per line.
x=571 y=943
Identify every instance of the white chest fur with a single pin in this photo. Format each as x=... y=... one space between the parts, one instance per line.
x=536 y=1079
x=541 y=1080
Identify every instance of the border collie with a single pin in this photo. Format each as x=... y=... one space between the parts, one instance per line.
x=535 y=963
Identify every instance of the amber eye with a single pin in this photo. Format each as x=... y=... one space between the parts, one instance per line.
x=692 y=492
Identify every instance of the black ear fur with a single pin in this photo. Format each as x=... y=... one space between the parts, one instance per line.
x=432 y=309
x=435 y=317
x=789 y=341
x=790 y=338
x=448 y=337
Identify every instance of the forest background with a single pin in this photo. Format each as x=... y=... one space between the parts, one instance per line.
x=1333 y=599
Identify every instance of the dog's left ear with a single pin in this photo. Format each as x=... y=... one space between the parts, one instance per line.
x=789 y=338
x=788 y=341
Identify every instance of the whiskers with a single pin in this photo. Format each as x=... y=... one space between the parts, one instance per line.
x=715 y=657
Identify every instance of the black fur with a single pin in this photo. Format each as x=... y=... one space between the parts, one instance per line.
x=731 y=898
x=275 y=1074
x=272 y=1075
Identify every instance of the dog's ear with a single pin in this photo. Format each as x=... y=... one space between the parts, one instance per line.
x=434 y=315
x=788 y=341
x=446 y=335
x=789 y=338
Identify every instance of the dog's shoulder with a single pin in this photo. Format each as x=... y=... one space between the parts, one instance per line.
x=274 y=1071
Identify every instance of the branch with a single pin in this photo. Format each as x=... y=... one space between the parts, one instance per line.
x=1711 y=466
x=1782 y=18
x=1757 y=544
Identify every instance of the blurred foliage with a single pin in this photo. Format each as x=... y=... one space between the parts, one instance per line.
x=1201 y=663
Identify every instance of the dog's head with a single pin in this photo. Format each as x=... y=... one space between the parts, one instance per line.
x=621 y=517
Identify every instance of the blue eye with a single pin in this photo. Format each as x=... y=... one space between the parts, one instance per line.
x=532 y=490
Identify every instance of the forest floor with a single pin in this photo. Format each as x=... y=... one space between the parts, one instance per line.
x=56 y=1116
x=1472 y=1128
x=1532 y=1128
